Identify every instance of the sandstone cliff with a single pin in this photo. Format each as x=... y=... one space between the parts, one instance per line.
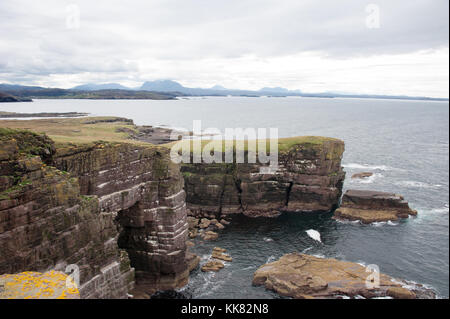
x=372 y=206
x=97 y=206
x=309 y=178
x=144 y=189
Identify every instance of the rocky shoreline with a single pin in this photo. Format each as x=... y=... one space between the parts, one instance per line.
x=303 y=276
x=123 y=212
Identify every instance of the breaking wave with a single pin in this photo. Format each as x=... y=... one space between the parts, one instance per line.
x=416 y=184
x=370 y=167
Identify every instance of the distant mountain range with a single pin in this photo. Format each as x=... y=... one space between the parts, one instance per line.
x=96 y=87
x=168 y=89
x=22 y=93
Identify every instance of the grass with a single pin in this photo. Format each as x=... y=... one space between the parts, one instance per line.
x=92 y=129
x=75 y=130
x=284 y=144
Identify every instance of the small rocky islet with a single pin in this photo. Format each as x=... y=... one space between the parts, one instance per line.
x=122 y=211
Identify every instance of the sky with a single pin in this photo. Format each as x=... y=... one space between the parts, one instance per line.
x=348 y=46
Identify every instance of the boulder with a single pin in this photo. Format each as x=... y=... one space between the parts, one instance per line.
x=221 y=256
x=401 y=293
x=193 y=233
x=204 y=223
x=219 y=226
x=372 y=206
x=303 y=276
x=210 y=235
x=362 y=175
x=212 y=265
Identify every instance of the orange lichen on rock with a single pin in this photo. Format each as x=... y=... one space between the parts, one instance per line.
x=35 y=285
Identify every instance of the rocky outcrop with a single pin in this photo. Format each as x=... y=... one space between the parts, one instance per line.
x=144 y=190
x=309 y=178
x=115 y=210
x=34 y=285
x=303 y=276
x=45 y=222
x=372 y=206
x=216 y=263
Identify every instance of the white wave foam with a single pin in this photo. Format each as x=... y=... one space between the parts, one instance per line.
x=378 y=224
x=441 y=210
x=270 y=259
x=362 y=263
x=437 y=210
x=210 y=286
x=416 y=184
x=343 y=296
x=390 y=223
x=248 y=268
x=370 y=167
x=306 y=249
x=319 y=256
x=351 y=222
x=314 y=234
x=267 y=239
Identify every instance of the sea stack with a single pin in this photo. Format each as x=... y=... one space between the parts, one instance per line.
x=372 y=206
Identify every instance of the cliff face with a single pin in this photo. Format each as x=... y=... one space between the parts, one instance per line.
x=99 y=207
x=144 y=190
x=45 y=223
x=309 y=178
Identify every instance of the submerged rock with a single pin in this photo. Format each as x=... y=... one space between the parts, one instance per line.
x=362 y=175
x=371 y=206
x=303 y=276
x=210 y=235
x=221 y=256
x=213 y=265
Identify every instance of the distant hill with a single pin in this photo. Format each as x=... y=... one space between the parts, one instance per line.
x=5 y=97
x=28 y=92
x=217 y=90
x=104 y=86
x=218 y=87
x=168 y=89
x=162 y=86
x=279 y=90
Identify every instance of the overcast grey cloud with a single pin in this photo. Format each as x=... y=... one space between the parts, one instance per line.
x=300 y=44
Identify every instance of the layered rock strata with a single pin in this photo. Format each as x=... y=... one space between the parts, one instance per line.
x=309 y=178
x=45 y=223
x=303 y=276
x=101 y=207
x=144 y=190
x=371 y=206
